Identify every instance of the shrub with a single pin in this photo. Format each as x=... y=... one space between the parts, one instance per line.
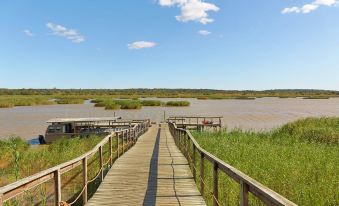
x=151 y=103
x=178 y=103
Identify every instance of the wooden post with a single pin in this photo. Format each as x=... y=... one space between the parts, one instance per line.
x=187 y=143
x=57 y=187
x=123 y=142
x=202 y=173
x=135 y=137
x=118 y=144
x=101 y=163
x=84 y=176
x=243 y=193
x=1 y=200
x=110 y=151
x=215 y=184
x=194 y=164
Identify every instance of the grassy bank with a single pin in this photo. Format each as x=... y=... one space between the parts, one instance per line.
x=299 y=160
x=17 y=157
x=135 y=104
x=177 y=104
x=18 y=160
x=151 y=103
x=128 y=104
x=20 y=100
x=170 y=93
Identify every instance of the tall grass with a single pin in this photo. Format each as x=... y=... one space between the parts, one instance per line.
x=70 y=100
x=299 y=160
x=19 y=100
x=151 y=103
x=43 y=157
x=18 y=160
x=128 y=104
x=178 y=103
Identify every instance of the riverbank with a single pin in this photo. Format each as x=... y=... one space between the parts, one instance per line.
x=299 y=160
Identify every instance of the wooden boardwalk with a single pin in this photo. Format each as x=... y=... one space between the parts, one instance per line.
x=153 y=172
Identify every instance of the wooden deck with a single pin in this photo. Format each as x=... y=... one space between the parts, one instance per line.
x=153 y=172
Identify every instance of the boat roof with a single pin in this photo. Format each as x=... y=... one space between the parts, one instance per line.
x=86 y=119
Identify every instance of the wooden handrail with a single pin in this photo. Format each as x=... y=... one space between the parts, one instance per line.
x=247 y=184
x=200 y=117
x=12 y=190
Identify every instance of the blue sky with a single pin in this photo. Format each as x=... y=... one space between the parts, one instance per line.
x=213 y=44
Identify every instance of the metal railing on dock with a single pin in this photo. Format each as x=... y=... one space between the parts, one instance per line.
x=125 y=139
x=192 y=150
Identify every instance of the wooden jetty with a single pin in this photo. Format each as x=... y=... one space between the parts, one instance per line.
x=198 y=122
x=163 y=165
x=154 y=172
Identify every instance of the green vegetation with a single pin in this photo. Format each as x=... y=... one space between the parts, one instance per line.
x=135 y=104
x=30 y=97
x=178 y=103
x=17 y=158
x=19 y=100
x=109 y=104
x=316 y=97
x=128 y=104
x=299 y=160
x=151 y=103
x=112 y=106
x=245 y=98
x=167 y=93
x=70 y=100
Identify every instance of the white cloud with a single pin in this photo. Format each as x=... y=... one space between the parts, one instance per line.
x=70 y=34
x=204 y=32
x=28 y=32
x=141 y=45
x=192 y=10
x=307 y=8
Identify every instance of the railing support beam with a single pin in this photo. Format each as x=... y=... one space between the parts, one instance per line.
x=101 y=163
x=202 y=173
x=118 y=144
x=84 y=176
x=1 y=200
x=215 y=184
x=243 y=194
x=110 y=151
x=57 y=187
x=194 y=164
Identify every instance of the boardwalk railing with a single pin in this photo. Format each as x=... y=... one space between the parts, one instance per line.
x=189 y=147
x=196 y=122
x=125 y=140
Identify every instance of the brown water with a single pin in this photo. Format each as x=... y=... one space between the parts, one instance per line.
x=262 y=113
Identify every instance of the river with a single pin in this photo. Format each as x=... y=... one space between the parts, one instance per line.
x=260 y=114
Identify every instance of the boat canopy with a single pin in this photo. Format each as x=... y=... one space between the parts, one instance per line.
x=87 y=119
